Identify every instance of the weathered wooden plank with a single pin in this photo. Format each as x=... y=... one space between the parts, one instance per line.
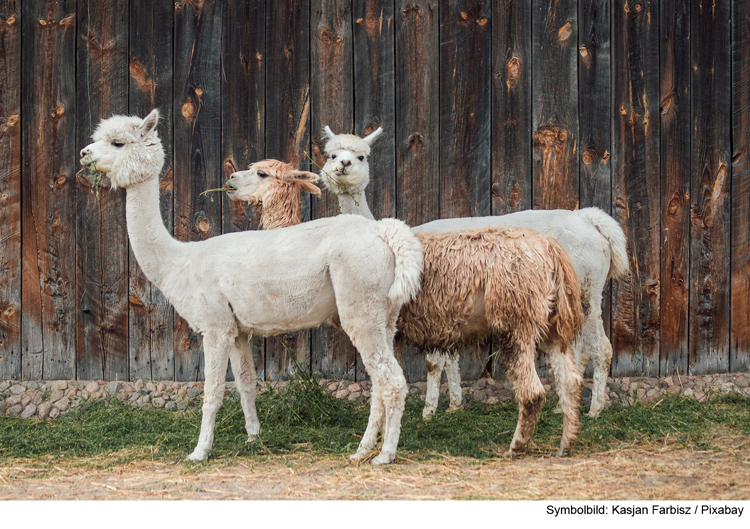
x=675 y=186
x=332 y=96
x=288 y=133
x=374 y=103
x=595 y=115
x=10 y=190
x=740 y=303
x=465 y=66
x=101 y=238
x=465 y=44
x=555 y=105
x=511 y=107
x=151 y=317
x=710 y=42
x=635 y=194
x=48 y=190
x=197 y=146
x=243 y=112
x=417 y=127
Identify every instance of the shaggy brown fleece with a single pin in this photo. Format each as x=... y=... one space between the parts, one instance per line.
x=507 y=281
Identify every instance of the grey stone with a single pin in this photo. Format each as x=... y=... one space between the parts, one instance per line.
x=28 y=411
x=480 y=384
x=143 y=399
x=13 y=400
x=38 y=398
x=112 y=387
x=150 y=386
x=160 y=387
x=158 y=402
x=92 y=387
x=742 y=382
x=193 y=392
x=176 y=385
x=56 y=395
x=62 y=404
x=44 y=409
x=26 y=400
x=139 y=384
x=170 y=405
x=354 y=395
x=4 y=384
x=15 y=410
x=58 y=385
x=54 y=412
x=17 y=389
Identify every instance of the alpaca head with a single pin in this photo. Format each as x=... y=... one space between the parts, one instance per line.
x=263 y=177
x=346 y=170
x=127 y=148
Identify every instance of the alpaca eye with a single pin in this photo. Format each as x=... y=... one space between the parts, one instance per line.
x=360 y=158
x=262 y=174
x=118 y=144
x=333 y=157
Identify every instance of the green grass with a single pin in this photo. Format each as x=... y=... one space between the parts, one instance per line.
x=305 y=417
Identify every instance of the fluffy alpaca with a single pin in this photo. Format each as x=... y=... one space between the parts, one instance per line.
x=267 y=282
x=592 y=239
x=275 y=186
x=513 y=283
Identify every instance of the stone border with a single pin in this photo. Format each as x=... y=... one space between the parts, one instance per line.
x=51 y=399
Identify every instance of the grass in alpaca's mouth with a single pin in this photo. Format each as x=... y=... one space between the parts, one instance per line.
x=94 y=177
x=223 y=189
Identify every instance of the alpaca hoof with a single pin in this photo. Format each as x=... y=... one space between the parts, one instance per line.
x=383 y=459
x=452 y=408
x=359 y=455
x=563 y=452
x=594 y=412
x=428 y=412
x=197 y=456
x=251 y=438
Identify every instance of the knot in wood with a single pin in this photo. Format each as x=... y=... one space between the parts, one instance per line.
x=199 y=92
x=12 y=120
x=638 y=8
x=204 y=225
x=551 y=137
x=410 y=9
x=10 y=311
x=666 y=104
x=588 y=156
x=464 y=15
x=4 y=196
x=565 y=32
x=513 y=72
x=188 y=109
x=482 y=21
x=61 y=180
x=11 y=20
x=415 y=141
x=652 y=289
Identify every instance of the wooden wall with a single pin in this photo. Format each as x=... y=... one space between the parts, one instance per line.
x=641 y=108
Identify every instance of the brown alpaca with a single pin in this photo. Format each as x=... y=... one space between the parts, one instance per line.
x=512 y=283
x=275 y=186
x=518 y=286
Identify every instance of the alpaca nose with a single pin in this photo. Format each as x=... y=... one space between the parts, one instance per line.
x=85 y=151
x=346 y=163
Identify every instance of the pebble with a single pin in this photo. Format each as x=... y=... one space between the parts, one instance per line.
x=53 y=398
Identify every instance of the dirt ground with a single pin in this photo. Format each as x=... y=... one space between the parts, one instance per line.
x=653 y=473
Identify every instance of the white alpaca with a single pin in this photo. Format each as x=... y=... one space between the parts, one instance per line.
x=267 y=282
x=514 y=283
x=592 y=239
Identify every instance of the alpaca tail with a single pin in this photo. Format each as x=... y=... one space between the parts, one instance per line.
x=610 y=230
x=408 y=253
x=568 y=318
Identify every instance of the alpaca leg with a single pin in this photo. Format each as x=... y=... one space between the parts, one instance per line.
x=216 y=348
x=374 y=423
x=394 y=398
x=435 y=362
x=243 y=367
x=569 y=384
x=453 y=374
x=529 y=393
x=602 y=361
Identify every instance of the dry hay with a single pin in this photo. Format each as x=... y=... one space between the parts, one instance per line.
x=658 y=472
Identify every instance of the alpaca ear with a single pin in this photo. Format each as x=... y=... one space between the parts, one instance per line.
x=373 y=136
x=148 y=124
x=329 y=132
x=303 y=176
x=309 y=187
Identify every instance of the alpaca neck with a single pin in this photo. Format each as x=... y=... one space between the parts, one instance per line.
x=281 y=207
x=354 y=204
x=153 y=246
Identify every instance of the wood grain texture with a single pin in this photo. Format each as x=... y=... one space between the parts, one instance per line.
x=465 y=67
x=675 y=186
x=512 y=182
x=151 y=316
x=48 y=110
x=555 y=105
x=417 y=131
x=710 y=41
x=636 y=193
x=740 y=281
x=332 y=97
x=595 y=116
x=243 y=114
x=374 y=103
x=197 y=146
x=288 y=134
x=10 y=190
x=101 y=235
